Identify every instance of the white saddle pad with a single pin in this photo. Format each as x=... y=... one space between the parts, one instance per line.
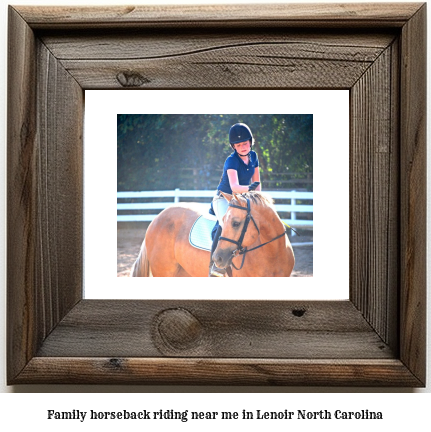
x=200 y=234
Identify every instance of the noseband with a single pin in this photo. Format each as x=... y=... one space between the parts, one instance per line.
x=243 y=250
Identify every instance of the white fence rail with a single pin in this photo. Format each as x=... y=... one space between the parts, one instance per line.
x=177 y=195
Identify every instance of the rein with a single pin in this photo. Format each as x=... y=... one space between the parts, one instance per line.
x=243 y=250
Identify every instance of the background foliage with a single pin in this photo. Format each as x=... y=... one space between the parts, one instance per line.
x=162 y=152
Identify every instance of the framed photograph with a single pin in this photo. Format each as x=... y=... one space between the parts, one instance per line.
x=375 y=337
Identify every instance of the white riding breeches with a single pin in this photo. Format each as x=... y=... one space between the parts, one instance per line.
x=220 y=206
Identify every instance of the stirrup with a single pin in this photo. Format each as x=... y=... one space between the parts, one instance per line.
x=216 y=272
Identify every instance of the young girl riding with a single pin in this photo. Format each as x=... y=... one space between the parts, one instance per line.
x=240 y=174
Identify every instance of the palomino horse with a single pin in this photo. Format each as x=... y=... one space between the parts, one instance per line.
x=253 y=240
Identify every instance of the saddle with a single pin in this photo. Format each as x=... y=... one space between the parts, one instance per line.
x=201 y=233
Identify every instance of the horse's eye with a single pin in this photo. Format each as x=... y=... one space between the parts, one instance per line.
x=236 y=224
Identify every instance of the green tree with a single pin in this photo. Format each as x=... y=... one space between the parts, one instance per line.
x=161 y=151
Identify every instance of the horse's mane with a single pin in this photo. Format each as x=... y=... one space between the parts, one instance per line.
x=258 y=198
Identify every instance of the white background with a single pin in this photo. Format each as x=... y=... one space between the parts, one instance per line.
x=330 y=111
x=403 y=410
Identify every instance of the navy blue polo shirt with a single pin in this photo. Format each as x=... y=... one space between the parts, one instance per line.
x=245 y=172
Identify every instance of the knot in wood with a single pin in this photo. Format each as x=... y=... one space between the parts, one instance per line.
x=115 y=363
x=131 y=79
x=298 y=312
x=178 y=329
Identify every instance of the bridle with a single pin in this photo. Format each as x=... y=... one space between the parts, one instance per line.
x=240 y=249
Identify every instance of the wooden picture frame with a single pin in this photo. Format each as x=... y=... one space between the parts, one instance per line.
x=376 y=338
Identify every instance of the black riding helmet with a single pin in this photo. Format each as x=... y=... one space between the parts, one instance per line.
x=240 y=132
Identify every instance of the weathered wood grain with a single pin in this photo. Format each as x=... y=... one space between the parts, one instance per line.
x=226 y=329
x=211 y=60
x=22 y=205
x=44 y=193
x=200 y=72
x=59 y=184
x=392 y=301
x=196 y=371
x=262 y=66
x=413 y=173
x=313 y=14
x=374 y=194
x=375 y=338
x=141 y=44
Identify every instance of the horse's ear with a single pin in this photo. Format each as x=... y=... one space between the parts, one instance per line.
x=237 y=197
x=227 y=196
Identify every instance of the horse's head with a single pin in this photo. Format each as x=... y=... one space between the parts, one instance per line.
x=240 y=229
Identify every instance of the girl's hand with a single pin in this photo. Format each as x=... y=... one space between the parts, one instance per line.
x=253 y=186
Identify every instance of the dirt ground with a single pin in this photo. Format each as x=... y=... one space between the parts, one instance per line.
x=129 y=242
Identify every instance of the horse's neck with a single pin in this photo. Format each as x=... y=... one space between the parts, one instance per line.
x=275 y=257
x=266 y=256
x=270 y=230
x=270 y=260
